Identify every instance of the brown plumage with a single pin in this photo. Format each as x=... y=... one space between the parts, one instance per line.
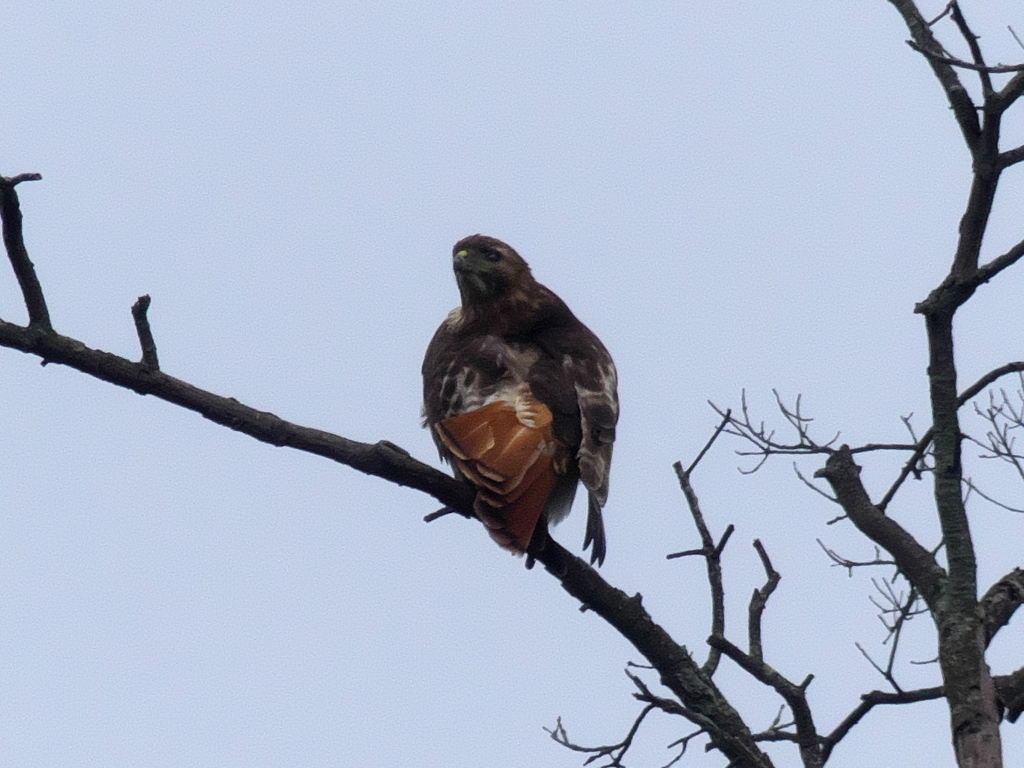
x=521 y=398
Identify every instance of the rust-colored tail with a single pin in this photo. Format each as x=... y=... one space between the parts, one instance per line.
x=509 y=452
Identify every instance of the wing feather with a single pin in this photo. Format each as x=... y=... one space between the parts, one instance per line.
x=596 y=384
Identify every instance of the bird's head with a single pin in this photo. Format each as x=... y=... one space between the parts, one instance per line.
x=488 y=270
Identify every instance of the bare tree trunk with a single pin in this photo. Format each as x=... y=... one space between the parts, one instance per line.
x=974 y=717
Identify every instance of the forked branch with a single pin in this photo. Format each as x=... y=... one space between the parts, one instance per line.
x=710 y=550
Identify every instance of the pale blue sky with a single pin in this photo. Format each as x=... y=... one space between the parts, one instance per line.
x=732 y=195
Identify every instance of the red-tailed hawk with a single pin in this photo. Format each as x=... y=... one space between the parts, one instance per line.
x=520 y=397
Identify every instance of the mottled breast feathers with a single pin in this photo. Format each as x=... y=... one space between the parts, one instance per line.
x=520 y=397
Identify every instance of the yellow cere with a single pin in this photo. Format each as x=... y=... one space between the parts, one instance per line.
x=462 y=253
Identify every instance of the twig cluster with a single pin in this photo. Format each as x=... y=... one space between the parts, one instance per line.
x=762 y=438
x=1004 y=416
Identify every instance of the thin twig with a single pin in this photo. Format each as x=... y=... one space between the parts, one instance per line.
x=974 y=488
x=887 y=675
x=777 y=730
x=707 y=446
x=1012 y=32
x=811 y=485
x=945 y=12
x=972 y=43
x=146 y=342
x=613 y=751
x=442 y=512
x=683 y=743
x=842 y=562
x=998 y=69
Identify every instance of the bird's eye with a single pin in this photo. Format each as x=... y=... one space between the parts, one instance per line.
x=492 y=255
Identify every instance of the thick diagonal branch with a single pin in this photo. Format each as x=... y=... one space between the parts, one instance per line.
x=704 y=703
x=914 y=561
x=380 y=459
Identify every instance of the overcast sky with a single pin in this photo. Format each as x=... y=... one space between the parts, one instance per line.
x=732 y=195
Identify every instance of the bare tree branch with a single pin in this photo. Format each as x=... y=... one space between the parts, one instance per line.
x=849 y=565
x=987 y=271
x=926 y=438
x=668 y=706
x=915 y=562
x=1011 y=156
x=679 y=673
x=14 y=242
x=867 y=703
x=1010 y=688
x=973 y=488
x=812 y=486
x=1001 y=601
x=615 y=752
x=794 y=695
x=710 y=551
x=385 y=460
x=139 y=310
x=1005 y=418
x=726 y=418
x=382 y=459
x=989 y=378
x=895 y=610
x=759 y=601
x=1004 y=99
x=982 y=69
x=1011 y=693
x=969 y=689
x=959 y=99
x=763 y=439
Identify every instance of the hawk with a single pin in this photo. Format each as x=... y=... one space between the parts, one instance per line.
x=520 y=398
